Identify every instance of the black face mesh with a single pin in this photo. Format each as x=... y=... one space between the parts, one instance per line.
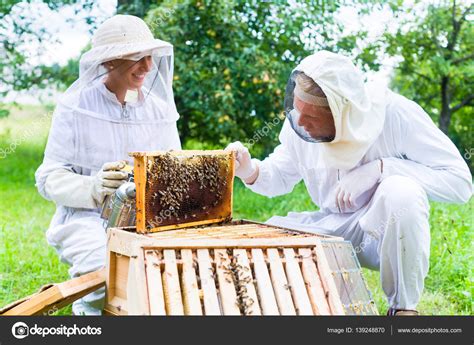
x=187 y=188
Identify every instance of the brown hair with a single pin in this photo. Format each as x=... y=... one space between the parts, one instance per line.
x=308 y=85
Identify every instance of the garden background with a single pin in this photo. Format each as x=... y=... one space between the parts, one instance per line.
x=232 y=60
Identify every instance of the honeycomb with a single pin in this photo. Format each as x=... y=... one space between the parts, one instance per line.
x=187 y=187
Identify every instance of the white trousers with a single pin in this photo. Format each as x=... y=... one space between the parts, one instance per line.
x=391 y=234
x=81 y=243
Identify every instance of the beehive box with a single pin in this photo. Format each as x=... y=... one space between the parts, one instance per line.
x=240 y=268
x=178 y=189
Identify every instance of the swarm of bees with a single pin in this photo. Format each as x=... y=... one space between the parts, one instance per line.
x=183 y=188
x=242 y=277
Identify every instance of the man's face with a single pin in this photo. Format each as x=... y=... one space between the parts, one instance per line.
x=317 y=121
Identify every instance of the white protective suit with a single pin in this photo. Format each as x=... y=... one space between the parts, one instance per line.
x=387 y=225
x=91 y=127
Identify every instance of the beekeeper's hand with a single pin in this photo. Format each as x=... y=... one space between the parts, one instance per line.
x=245 y=167
x=107 y=180
x=355 y=183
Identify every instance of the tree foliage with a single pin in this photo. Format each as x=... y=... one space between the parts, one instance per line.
x=18 y=31
x=437 y=66
x=233 y=59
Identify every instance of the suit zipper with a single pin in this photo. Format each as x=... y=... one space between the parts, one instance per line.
x=125 y=116
x=338 y=179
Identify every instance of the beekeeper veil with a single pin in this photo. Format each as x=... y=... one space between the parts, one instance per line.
x=90 y=126
x=358 y=108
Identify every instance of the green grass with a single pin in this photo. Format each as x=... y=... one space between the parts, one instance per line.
x=27 y=262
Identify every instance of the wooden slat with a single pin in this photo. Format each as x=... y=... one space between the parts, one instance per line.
x=178 y=153
x=244 y=272
x=230 y=227
x=209 y=231
x=116 y=282
x=187 y=225
x=236 y=243
x=230 y=206
x=137 y=288
x=139 y=172
x=58 y=295
x=171 y=286
x=211 y=303
x=223 y=234
x=313 y=283
x=344 y=292
x=297 y=285
x=264 y=284
x=110 y=266
x=280 y=283
x=119 y=241
x=155 y=286
x=121 y=235
x=327 y=280
x=226 y=283
x=192 y=303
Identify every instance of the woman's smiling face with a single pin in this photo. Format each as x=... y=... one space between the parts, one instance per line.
x=131 y=74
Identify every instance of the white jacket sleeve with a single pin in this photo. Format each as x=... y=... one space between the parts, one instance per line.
x=432 y=159
x=278 y=173
x=59 y=182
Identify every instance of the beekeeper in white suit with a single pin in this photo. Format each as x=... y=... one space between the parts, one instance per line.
x=370 y=159
x=123 y=101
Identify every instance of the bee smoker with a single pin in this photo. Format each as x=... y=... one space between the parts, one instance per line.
x=119 y=208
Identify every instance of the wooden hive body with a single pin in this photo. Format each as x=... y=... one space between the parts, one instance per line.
x=239 y=268
x=178 y=189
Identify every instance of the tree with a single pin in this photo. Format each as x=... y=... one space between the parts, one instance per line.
x=17 y=31
x=233 y=59
x=135 y=7
x=437 y=69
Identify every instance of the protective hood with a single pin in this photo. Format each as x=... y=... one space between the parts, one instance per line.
x=90 y=126
x=358 y=108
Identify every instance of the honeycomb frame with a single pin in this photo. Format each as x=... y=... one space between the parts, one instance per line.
x=186 y=188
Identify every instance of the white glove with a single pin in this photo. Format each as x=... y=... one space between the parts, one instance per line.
x=67 y=188
x=244 y=166
x=107 y=180
x=357 y=182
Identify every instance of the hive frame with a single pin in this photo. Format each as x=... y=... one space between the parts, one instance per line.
x=140 y=178
x=306 y=298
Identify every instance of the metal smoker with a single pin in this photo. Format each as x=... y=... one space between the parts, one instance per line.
x=119 y=208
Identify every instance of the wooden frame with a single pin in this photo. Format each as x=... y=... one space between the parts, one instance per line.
x=54 y=297
x=146 y=272
x=236 y=295
x=122 y=241
x=125 y=247
x=141 y=163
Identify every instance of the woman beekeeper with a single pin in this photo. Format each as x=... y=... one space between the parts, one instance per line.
x=369 y=159
x=122 y=102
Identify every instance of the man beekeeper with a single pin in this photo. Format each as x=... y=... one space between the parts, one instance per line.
x=370 y=159
x=123 y=101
